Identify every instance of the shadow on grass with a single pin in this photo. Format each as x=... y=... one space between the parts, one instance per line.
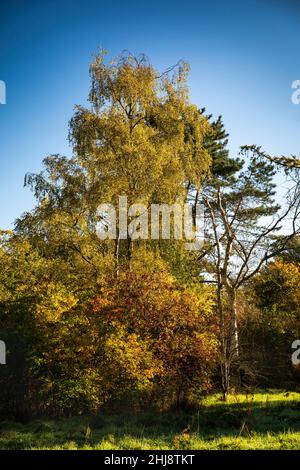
x=260 y=414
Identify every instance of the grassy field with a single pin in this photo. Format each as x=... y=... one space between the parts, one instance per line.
x=268 y=420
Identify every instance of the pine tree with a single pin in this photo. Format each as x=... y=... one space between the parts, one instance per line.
x=243 y=221
x=223 y=167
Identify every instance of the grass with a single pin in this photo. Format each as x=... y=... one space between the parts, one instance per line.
x=268 y=420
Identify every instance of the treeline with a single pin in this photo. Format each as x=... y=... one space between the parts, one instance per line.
x=92 y=323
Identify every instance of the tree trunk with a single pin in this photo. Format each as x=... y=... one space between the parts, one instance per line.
x=229 y=340
x=117 y=252
x=234 y=325
x=234 y=351
x=225 y=360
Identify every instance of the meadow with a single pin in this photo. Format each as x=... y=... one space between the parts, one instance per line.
x=268 y=419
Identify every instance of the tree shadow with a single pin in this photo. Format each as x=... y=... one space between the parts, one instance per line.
x=211 y=421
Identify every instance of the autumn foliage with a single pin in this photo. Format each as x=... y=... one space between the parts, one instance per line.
x=93 y=323
x=158 y=336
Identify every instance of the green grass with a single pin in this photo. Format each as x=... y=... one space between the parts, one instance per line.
x=268 y=420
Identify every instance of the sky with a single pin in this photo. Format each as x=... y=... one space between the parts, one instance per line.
x=243 y=55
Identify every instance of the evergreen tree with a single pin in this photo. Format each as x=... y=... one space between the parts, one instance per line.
x=223 y=167
x=242 y=225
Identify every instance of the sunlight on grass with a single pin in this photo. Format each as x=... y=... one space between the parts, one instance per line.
x=265 y=420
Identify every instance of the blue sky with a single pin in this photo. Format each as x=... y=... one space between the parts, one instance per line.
x=244 y=57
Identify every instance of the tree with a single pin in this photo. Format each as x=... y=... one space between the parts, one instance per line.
x=243 y=233
x=157 y=337
x=223 y=168
x=140 y=138
x=292 y=252
x=288 y=163
x=272 y=321
x=143 y=138
x=277 y=291
x=49 y=347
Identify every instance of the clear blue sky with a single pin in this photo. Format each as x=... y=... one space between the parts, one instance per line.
x=243 y=56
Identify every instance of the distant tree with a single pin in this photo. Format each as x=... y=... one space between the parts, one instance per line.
x=277 y=291
x=272 y=323
x=292 y=252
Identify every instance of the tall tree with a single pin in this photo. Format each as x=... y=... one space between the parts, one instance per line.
x=223 y=167
x=243 y=223
x=141 y=138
